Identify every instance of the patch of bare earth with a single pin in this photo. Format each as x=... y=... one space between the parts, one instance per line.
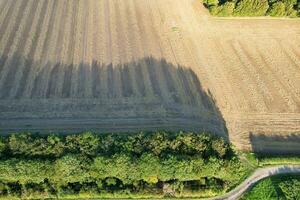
x=149 y=64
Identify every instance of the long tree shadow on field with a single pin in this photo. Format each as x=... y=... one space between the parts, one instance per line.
x=147 y=90
x=275 y=144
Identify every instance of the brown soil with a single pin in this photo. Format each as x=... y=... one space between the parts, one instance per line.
x=146 y=65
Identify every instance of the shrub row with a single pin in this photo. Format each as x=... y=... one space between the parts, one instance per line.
x=279 y=8
x=89 y=144
x=117 y=165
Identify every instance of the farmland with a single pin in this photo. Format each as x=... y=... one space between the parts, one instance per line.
x=115 y=65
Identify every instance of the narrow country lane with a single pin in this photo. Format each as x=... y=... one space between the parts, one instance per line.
x=258 y=175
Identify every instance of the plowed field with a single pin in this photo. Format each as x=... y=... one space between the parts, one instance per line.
x=73 y=65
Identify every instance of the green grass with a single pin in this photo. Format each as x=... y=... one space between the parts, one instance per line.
x=257 y=160
x=275 y=187
x=280 y=160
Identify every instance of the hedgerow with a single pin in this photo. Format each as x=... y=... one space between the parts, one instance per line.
x=275 y=8
x=139 y=165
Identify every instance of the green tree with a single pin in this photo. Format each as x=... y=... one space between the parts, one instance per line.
x=277 y=9
x=3 y=146
x=158 y=143
x=24 y=171
x=251 y=8
x=290 y=7
x=71 y=168
x=223 y=10
x=220 y=147
x=149 y=167
x=86 y=143
x=211 y=2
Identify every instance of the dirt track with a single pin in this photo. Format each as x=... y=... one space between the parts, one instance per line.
x=75 y=65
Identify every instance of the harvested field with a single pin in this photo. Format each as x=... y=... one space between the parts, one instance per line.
x=120 y=65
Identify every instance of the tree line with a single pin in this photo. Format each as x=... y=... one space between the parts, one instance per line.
x=117 y=165
x=275 y=8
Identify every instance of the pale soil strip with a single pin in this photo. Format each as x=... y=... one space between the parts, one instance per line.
x=102 y=46
x=37 y=52
x=205 y=65
x=122 y=35
x=130 y=42
x=98 y=31
x=141 y=49
x=16 y=65
x=90 y=46
x=258 y=98
x=8 y=22
x=2 y=5
x=107 y=36
x=161 y=25
x=113 y=32
x=28 y=65
x=184 y=56
x=78 y=50
x=290 y=53
x=270 y=124
x=279 y=76
x=154 y=43
x=44 y=51
x=115 y=83
x=294 y=68
x=55 y=80
x=96 y=47
x=177 y=50
x=50 y=66
x=278 y=96
x=291 y=68
x=62 y=56
x=23 y=69
x=209 y=71
x=192 y=93
x=13 y=41
x=262 y=89
x=105 y=51
x=85 y=88
x=295 y=51
x=96 y=72
x=4 y=10
x=231 y=75
x=109 y=51
x=249 y=86
x=70 y=37
x=126 y=52
x=197 y=63
x=8 y=30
